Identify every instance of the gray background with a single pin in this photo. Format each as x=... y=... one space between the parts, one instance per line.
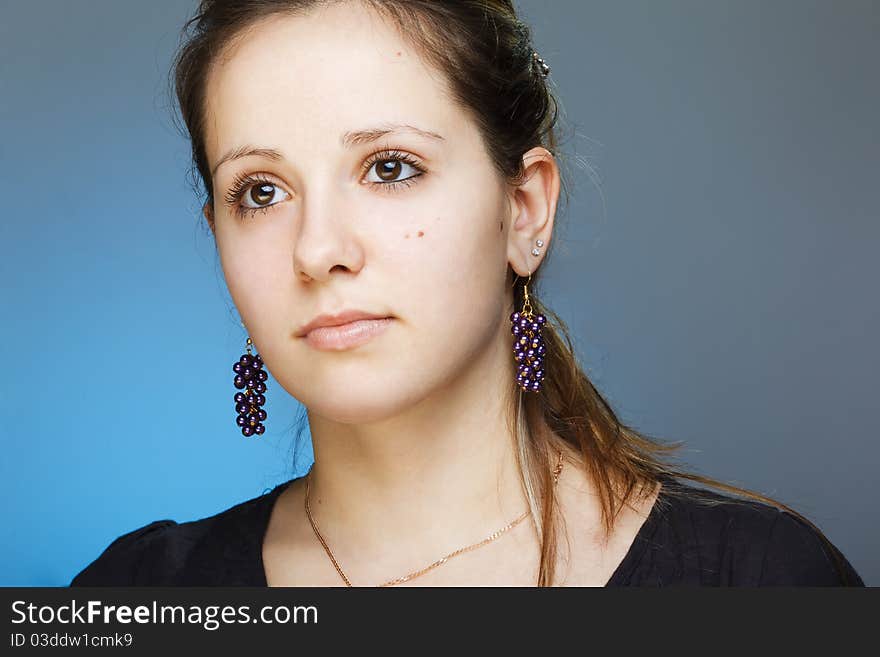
x=715 y=264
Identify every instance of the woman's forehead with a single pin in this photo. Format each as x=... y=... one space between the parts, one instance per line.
x=326 y=73
x=351 y=53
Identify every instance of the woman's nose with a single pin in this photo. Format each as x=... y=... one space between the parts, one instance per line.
x=325 y=240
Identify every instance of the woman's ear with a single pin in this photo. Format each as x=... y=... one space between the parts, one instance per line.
x=208 y=211
x=532 y=210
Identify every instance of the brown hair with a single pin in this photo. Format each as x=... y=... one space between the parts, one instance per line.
x=485 y=52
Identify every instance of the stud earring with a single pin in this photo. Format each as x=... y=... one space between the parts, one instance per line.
x=528 y=346
x=250 y=377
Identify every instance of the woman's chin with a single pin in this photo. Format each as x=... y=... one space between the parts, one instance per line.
x=359 y=402
x=356 y=412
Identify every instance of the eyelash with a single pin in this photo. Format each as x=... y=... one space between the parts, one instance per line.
x=243 y=182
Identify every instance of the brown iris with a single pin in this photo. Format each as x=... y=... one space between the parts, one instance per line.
x=391 y=168
x=262 y=194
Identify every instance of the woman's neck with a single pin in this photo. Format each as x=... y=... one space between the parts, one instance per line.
x=435 y=478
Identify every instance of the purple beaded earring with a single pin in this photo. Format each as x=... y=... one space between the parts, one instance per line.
x=250 y=376
x=528 y=346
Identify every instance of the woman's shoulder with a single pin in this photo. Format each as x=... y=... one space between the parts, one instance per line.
x=126 y=558
x=223 y=548
x=704 y=537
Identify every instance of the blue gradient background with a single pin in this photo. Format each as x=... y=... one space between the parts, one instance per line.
x=718 y=268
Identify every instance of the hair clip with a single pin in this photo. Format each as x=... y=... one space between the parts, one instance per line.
x=545 y=70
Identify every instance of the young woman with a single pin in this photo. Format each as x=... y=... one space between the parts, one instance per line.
x=382 y=183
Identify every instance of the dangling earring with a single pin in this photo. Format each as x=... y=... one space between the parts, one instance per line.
x=250 y=375
x=528 y=347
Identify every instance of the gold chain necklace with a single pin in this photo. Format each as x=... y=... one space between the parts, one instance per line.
x=556 y=472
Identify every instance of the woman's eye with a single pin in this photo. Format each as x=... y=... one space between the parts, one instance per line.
x=389 y=170
x=261 y=196
x=388 y=166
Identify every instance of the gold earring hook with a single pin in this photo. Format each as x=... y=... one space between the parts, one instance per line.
x=527 y=306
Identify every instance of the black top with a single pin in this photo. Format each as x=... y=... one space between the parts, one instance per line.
x=683 y=542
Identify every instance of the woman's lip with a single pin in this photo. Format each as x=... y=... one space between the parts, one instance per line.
x=346 y=336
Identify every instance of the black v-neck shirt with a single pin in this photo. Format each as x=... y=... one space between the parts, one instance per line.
x=682 y=542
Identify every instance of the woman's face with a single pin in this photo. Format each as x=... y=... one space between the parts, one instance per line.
x=345 y=223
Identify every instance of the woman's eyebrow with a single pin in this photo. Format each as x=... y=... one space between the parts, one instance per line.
x=368 y=135
x=245 y=151
x=348 y=139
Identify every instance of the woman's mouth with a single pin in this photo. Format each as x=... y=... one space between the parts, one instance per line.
x=346 y=336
